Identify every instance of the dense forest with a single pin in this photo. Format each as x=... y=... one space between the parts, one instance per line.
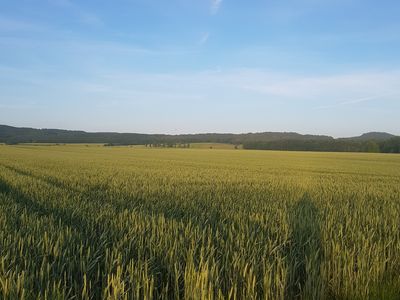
x=9 y=134
x=391 y=145
x=369 y=142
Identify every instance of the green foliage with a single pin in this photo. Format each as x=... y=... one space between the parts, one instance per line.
x=391 y=146
x=369 y=142
x=31 y=135
x=134 y=223
x=339 y=145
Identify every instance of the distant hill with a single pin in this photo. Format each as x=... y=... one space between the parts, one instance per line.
x=291 y=141
x=9 y=134
x=376 y=136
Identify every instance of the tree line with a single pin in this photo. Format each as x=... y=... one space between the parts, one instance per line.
x=369 y=142
x=339 y=145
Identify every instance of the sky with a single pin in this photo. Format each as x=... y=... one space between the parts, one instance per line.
x=189 y=66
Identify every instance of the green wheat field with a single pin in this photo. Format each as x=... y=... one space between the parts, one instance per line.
x=94 y=222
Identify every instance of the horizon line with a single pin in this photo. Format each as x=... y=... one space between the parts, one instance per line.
x=200 y=133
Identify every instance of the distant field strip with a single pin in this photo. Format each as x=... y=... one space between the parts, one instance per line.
x=94 y=222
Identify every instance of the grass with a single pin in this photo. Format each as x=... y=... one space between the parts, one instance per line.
x=94 y=222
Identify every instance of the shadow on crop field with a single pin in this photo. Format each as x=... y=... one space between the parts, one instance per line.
x=305 y=253
x=77 y=210
x=4 y=187
x=67 y=217
x=48 y=179
x=99 y=235
x=84 y=229
x=101 y=194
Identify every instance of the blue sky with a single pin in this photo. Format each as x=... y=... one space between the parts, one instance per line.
x=185 y=66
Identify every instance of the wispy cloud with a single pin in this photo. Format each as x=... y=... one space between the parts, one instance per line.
x=90 y=19
x=11 y=24
x=204 y=38
x=326 y=88
x=85 y=17
x=356 y=101
x=317 y=91
x=215 y=5
x=17 y=106
x=286 y=99
x=98 y=48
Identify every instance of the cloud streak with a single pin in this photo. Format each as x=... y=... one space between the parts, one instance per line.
x=358 y=100
x=204 y=38
x=85 y=17
x=280 y=101
x=243 y=84
x=8 y=24
x=215 y=6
